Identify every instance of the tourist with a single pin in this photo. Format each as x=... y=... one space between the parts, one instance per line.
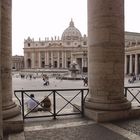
x=32 y=104
x=85 y=81
x=46 y=81
x=46 y=104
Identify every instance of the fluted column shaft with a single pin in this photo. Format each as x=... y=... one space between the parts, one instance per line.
x=106 y=55
x=10 y=109
x=125 y=65
x=47 y=59
x=130 y=64
x=1 y=128
x=58 y=59
x=33 y=60
x=136 y=64
x=39 y=60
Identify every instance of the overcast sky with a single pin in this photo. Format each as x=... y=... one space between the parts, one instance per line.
x=49 y=18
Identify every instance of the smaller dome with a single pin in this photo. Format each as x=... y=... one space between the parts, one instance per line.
x=71 y=33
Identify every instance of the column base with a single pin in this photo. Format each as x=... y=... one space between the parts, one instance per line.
x=13 y=125
x=105 y=116
x=11 y=111
x=12 y=119
x=108 y=105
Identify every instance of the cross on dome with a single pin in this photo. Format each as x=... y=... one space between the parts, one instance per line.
x=71 y=23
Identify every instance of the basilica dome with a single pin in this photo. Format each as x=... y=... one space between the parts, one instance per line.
x=71 y=33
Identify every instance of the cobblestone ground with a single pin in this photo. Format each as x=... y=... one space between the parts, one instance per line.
x=132 y=125
x=86 y=132
x=69 y=129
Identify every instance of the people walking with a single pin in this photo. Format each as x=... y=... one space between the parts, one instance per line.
x=85 y=80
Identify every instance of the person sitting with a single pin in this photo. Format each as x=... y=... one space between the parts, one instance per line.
x=46 y=104
x=32 y=104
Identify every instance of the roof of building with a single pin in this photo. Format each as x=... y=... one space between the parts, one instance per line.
x=71 y=33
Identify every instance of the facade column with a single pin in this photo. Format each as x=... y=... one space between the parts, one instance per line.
x=10 y=109
x=33 y=60
x=47 y=59
x=39 y=64
x=83 y=61
x=1 y=119
x=25 y=60
x=58 y=60
x=130 y=64
x=65 y=63
x=62 y=59
x=71 y=58
x=136 y=64
x=106 y=59
x=125 y=63
x=52 y=65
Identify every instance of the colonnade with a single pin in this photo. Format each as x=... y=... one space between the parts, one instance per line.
x=132 y=64
x=106 y=100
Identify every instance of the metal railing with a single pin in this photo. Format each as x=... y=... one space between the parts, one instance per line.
x=63 y=101
x=132 y=93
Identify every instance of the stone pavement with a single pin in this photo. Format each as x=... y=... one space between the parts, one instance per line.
x=73 y=128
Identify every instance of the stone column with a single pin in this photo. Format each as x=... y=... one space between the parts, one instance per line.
x=136 y=64
x=47 y=59
x=71 y=57
x=10 y=109
x=106 y=58
x=83 y=61
x=65 y=63
x=25 y=60
x=39 y=59
x=33 y=60
x=1 y=126
x=125 y=67
x=58 y=60
x=130 y=64
x=52 y=64
x=62 y=59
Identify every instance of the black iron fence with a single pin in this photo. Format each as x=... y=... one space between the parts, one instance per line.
x=63 y=102
x=133 y=94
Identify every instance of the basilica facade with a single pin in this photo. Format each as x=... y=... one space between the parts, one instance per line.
x=57 y=52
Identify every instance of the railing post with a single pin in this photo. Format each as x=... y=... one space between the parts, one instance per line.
x=22 y=99
x=54 y=104
x=125 y=92
x=82 y=102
